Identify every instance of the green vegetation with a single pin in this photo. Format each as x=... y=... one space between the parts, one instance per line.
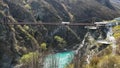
x=107 y=61
x=59 y=39
x=31 y=60
x=29 y=36
x=28 y=58
x=117 y=31
x=26 y=27
x=43 y=46
x=27 y=6
x=117 y=36
x=70 y=66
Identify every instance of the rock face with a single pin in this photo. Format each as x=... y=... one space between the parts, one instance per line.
x=116 y=3
x=79 y=10
x=66 y=10
x=18 y=12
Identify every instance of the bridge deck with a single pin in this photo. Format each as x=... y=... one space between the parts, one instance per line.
x=49 y=23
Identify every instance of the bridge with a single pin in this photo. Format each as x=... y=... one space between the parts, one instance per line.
x=65 y=23
x=93 y=25
x=50 y=23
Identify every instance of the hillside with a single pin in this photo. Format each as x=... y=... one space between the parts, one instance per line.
x=116 y=3
x=26 y=46
x=66 y=10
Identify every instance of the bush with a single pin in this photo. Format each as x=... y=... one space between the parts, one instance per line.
x=108 y=61
x=59 y=39
x=116 y=30
x=60 y=42
x=28 y=58
x=43 y=46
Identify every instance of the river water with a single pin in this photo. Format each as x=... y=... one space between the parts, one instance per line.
x=58 y=60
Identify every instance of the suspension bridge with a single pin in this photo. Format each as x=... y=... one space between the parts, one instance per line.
x=49 y=23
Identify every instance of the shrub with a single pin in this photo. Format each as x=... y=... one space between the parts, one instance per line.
x=108 y=61
x=116 y=30
x=28 y=58
x=59 y=39
x=60 y=42
x=70 y=65
x=27 y=6
x=43 y=46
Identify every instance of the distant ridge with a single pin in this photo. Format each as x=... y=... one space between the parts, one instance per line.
x=65 y=10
